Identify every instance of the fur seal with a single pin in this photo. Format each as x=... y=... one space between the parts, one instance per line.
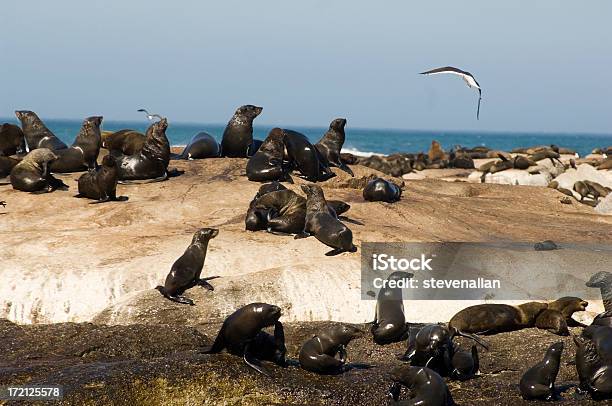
x=240 y=330
x=465 y=364
x=330 y=145
x=305 y=157
x=12 y=140
x=151 y=162
x=256 y=218
x=101 y=184
x=238 y=134
x=547 y=245
x=319 y=353
x=7 y=164
x=380 y=190
x=323 y=224
x=594 y=361
x=539 y=380
x=389 y=325
x=425 y=385
x=435 y=152
x=603 y=281
x=126 y=141
x=201 y=146
x=83 y=154
x=185 y=272
x=267 y=163
x=495 y=318
x=37 y=135
x=32 y=173
x=288 y=211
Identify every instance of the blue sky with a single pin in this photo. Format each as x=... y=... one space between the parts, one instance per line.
x=543 y=65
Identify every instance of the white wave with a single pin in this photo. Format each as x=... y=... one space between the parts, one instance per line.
x=357 y=152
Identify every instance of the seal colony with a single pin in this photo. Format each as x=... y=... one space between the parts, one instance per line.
x=433 y=354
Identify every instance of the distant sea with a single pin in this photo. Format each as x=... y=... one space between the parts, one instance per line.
x=363 y=141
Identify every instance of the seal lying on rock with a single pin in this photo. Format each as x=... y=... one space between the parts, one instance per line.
x=267 y=163
x=492 y=318
x=330 y=145
x=37 y=135
x=380 y=190
x=323 y=224
x=238 y=134
x=319 y=353
x=539 y=381
x=12 y=140
x=240 y=330
x=185 y=272
x=306 y=158
x=389 y=324
x=32 y=173
x=151 y=162
x=83 y=154
x=594 y=361
x=101 y=184
x=128 y=142
x=201 y=146
x=425 y=385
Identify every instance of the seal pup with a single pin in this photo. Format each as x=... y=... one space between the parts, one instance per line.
x=465 y=364
x=330 y=145
x=594 y=361
x=539 y=380
x=547 y=245
x=201 y=146
x=305 y=157
x=12 y=140
x=389 y=325
x=126 y=141
x=83 y=154
x=492 y=318
x=240 y=330
x=238 y=134
x=185 y=272
x=101 y=184
x=33 y=174
x=425 y=385
x=319 y=353
x=323 y=224
x=37 y=135
x=267 y=163
x=380 y=190
x=151 y=162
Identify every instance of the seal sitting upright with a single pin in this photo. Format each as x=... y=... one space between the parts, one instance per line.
x=151 y=162
x=101 y=184
x=32 y=173
x=324 y=224
x=185 y=272
x=83 y=154
x=331 y=143
x=319 y=353
x=37 y=135
x=539 y=381
x=389 y=324
x=241 y=330
x=238 y=135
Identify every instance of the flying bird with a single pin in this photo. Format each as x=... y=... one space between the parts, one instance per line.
x=150 y=116
x=467 y=77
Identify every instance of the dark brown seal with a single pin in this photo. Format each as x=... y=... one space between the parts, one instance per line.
x=318 y=354
x=128 y=142
x=37 y=135
x=330 y=145
x=305 y=157
x=381 y=190
x=12 y=140
x=539 y=381
x=425 y=385
x=593 y=361
x=241 y=332
x=185 y=272
x=7 y=164
x=389 y=324
x=495 y=318
x=267 y=163
x=323 y=224
x=83 y=154
x=238 y=134
x=33 y=174
x=201 y=146
x=101 y=184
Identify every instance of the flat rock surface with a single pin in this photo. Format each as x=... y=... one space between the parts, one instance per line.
x=162 y=365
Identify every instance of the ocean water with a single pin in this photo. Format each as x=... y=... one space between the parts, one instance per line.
x=363 y=141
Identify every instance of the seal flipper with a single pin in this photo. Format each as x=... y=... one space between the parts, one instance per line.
x=254 y=362
x=483 y=343
x=303 y=234
x=203 y=282
x=218 y=345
